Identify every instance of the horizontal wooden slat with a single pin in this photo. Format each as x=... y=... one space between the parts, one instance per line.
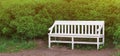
x=87 y=42
x=61 y=41
x=79 y=22
x=76 y=42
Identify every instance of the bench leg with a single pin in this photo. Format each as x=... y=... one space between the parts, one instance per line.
x=49 y=42
x=72 y=43
x=103 y=40
x=98 y=43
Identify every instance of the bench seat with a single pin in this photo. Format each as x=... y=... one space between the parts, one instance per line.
x=77 y=35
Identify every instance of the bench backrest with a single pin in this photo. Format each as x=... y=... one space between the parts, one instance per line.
x=78 y=27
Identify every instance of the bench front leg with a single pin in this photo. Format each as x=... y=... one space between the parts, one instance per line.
x=49 y=42
x=103 y=39
x=98 y=43
x=72 y=43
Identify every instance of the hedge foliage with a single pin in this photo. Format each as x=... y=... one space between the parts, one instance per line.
x=32 y=18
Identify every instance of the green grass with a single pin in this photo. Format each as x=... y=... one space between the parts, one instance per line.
x=11 y=45
x=117 y=53
x=117 y=46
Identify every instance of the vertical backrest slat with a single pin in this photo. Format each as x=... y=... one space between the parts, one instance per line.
x=82 y=29
x=68 y=29
x=55 y=28
x=85 y=29
x=100 y=29
x=71 y=29
x=88 y=29
x=62 y=28
x=59 y=29
x=78 y=29
x=75 y=29
x=103 y=31
x=65 y=29
x=92 y=29
x=95 y=29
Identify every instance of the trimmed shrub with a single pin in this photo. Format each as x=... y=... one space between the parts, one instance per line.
x=117 y=36
x=29 y=19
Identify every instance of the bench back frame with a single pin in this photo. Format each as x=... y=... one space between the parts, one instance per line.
x=77 y=28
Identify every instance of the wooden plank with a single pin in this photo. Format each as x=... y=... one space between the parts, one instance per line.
x=82 y=29
x=75 y=29
x=65 y=29
x=68 y=29
x=95 y=29
x=62 y=28
x=77 y=42
x=79 y=22
x=89 y=29
x=78 y=29
x=85 y=29
x=92 y=29
x=61 y=41
x=71 y=29
x=55 y=28
x=59 y=29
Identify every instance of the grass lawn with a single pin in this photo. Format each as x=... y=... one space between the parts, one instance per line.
x=14 y=45
x=117 y=53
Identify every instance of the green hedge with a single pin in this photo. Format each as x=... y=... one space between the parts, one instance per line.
x=32 y=18
x=117 y=37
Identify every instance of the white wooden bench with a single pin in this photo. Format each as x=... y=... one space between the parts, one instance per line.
x=77 y=29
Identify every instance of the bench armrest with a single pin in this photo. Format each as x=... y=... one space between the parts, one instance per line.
x=51 y=28
x=99 y=30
